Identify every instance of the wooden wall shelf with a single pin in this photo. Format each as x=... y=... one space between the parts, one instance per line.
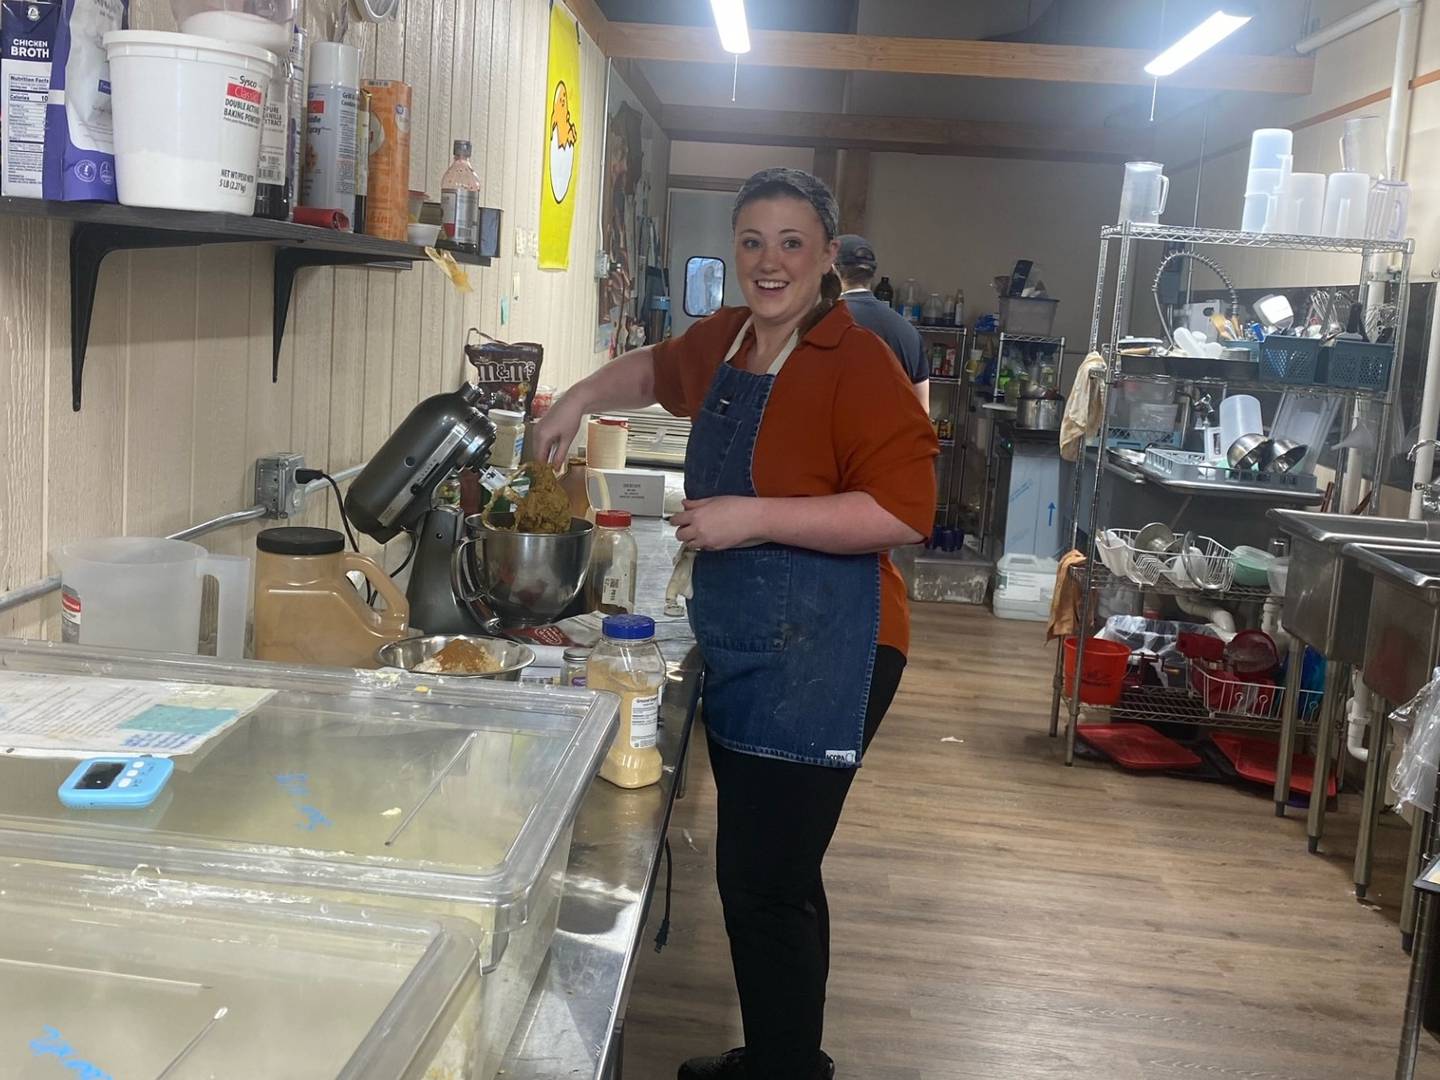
x=102 y=228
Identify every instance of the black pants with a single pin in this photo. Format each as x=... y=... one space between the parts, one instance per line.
x=774 y=823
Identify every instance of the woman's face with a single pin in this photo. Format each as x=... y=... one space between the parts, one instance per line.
x=780 y=256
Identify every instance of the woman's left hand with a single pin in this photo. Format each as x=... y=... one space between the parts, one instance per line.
x=726 y=521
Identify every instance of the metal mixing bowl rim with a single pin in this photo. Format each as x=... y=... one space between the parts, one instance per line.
x=527 y=655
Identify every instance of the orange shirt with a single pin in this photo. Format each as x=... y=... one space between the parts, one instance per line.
x=842 y=416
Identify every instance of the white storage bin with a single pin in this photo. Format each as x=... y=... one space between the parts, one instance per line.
x=1024 y=587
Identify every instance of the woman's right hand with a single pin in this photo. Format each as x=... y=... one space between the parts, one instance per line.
x=555 y=432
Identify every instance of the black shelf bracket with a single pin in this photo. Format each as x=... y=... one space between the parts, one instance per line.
x=89 y=244
x=291 y=260
x=99 y=229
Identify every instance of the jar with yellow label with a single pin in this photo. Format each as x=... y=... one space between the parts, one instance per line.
x=627 y=663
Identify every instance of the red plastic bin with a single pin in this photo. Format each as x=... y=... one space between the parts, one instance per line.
x=1102 y=680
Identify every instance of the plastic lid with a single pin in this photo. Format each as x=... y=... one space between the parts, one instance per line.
x=300 y=540
x=507 y=416
x=168 y=40
x=334 y=63
x=462 y=148
x=612 y=421
x=613 y=519
x=629 y=627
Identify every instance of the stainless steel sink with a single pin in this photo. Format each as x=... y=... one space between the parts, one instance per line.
x=1325 y=593
x=1403 y=628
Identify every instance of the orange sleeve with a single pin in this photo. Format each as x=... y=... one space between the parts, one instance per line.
x=685 y=365
x=884 y=444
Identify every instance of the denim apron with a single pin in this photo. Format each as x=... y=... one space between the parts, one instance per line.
x=788 y=635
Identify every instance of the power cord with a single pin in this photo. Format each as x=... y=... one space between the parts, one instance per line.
x=662 y=936
x=309 y=476
x=414 y=543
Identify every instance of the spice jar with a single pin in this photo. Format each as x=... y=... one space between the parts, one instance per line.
x=614 y=564
x=509 y=445
x=627 y=663
x=572 y=671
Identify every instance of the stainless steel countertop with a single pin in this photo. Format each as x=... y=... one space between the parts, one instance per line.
x=568 y=1026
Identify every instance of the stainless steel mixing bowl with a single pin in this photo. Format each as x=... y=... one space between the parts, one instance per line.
x=527 y=579
x=408 y=652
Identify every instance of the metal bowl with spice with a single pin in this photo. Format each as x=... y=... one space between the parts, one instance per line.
x=422 y=655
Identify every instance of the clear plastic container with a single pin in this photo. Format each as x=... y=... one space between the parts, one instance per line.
x=509 y=448
x=627 y=662
x=908 y=302
x=266 y=23
x=460 y=202
x=121 y=971
x=933 y=313
x=416 y=794
x=614 y=564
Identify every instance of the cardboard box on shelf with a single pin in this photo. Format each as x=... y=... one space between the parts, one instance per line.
x=641 y=491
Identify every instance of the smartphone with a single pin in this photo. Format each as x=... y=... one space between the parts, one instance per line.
x=115 y=783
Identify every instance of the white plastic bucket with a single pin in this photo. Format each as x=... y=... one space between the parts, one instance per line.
x=187 y=119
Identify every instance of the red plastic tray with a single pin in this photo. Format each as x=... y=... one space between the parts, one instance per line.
x=1137 y=746
x=1255 y=757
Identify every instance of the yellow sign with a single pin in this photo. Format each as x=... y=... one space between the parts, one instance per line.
x=562 y=141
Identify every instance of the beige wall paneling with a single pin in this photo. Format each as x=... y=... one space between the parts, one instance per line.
x=85 y=458
x=221 y=477
x=160 y=393
x=23 y=295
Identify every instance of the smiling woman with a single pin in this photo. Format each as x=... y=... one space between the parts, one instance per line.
x=809 y=458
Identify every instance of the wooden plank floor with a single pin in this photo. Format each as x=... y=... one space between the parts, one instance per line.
x=998 y=916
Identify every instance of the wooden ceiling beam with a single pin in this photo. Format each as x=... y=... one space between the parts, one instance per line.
x=588 y=14
x=944 y=56
x=902 y=134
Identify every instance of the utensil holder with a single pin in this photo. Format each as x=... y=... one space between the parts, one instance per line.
x=1294 y=360
x=1358 y=365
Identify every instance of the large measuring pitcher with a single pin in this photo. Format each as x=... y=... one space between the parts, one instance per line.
x=137 y=592
x=1144 y=193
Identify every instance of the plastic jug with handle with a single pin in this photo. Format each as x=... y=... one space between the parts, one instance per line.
x=139 y=592
x=1144 y=193
x=307 y=611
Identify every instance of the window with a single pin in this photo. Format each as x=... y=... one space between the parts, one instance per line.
x=704 y=285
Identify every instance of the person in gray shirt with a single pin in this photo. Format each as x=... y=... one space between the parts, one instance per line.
x=856 y=265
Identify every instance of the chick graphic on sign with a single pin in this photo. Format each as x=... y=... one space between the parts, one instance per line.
x=563 y=138
x=561 y=153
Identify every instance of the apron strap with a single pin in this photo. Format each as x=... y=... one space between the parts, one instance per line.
x=781 y=357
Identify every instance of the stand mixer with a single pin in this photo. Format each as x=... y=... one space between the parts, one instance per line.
x=524 y=579
x=395 y=493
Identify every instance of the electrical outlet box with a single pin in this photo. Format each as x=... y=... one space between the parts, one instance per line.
x=276 y=488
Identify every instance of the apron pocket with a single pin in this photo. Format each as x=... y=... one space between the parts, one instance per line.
x=708 y=449
x=741 y=600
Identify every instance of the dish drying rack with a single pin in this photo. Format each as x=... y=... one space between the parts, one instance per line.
x=1206 y=566
x=1224 y=692
x=1193 y=467
x=1110 y=314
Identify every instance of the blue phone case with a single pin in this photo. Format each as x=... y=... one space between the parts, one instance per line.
x=115 y=783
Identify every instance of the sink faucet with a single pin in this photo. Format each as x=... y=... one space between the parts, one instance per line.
x=1429 y=493
x=1415 y=450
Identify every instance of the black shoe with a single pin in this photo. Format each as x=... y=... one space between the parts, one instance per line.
x=728 y=1066
x=731 y=1066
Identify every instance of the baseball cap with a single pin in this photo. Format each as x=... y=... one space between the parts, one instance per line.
x=855 y=251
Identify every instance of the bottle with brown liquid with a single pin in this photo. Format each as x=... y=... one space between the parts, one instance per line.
x=308 y=612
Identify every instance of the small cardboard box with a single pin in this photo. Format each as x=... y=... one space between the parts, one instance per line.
x=641 y=491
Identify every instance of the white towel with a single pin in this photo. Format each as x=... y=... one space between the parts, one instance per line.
x=1084 y=408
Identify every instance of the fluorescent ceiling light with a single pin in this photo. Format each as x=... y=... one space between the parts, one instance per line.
x=1204 y=37
x=730 y=21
